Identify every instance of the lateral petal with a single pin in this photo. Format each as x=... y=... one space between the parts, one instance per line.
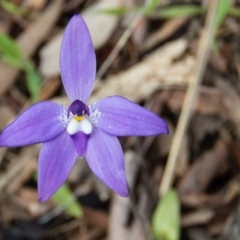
x=77 y=60
x=119 y=116
x=105 y=157
x=41 y=122
x=56 y=160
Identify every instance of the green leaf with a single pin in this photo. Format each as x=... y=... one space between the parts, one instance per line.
x=11 y=54
x=12 y=8
x=152 y=5
x=180 y=11
x=117 y=11
x=9 y=47
x=166 y=218
x=33 y=80
x=234 y=11
x=9 y=60
x=64 y=197
x=222 y=11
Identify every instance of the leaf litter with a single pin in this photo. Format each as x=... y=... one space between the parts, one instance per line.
x=153 y=69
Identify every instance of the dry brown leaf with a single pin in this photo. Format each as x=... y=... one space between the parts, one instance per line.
x=17 y=173
x=49 y=56
x=96 y=218
x=205 y=169
x=194 y=199
x=197 y=234
x=49 y=88
x=28 y=199
x=30 y=40
x=7 y=115
x=164 y=142
x=22 y=176
x=168 y=28
x=232 y=227
x=2 y=154
x=209 y=102
x=101 y=25
x=89 y=235
x=232 y=192
x=231 y=100
x=201 y=216
x=140 y=31
x=34 y=4
x=216 y=226
x=205 y=124
x=5 y=22
x=119 y=210
x=121 y=206
x=141 y=80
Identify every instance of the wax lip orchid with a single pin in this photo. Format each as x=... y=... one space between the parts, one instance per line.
x=79 y=130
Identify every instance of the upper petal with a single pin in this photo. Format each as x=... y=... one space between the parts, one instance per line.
x=77 y=60
x=41 y=122
x=120 y=117
x=56 y=160
x=105 y=157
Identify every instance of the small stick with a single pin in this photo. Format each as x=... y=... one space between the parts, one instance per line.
x=191 y=95
x=122 y=41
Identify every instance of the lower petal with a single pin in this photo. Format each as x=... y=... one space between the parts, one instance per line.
x=80 y=142
x=105 y=158
x=56 y=160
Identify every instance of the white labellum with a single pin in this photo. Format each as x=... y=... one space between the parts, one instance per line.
x=84 y=126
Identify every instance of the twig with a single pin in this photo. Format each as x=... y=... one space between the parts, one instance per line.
x=145 y=227
x=191 y=95
x=122 y=41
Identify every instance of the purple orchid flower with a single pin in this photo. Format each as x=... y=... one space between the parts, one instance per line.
x=79 y=130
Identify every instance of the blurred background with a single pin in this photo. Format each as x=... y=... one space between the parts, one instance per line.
x=178 y=58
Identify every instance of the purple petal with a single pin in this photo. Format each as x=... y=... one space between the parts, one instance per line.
x=80 y=142
x=77 y=60
x=105 y=158
x=56 y=160
x=41 y=122
x=120 y=117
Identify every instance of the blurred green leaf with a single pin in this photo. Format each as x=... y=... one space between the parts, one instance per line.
x=117 y=11
x=222 y=11
x=9 y=60
x=9 y=47
x=152 y=5
x=33 y=80
x=63 y=196
x=180 y=11
x=12 y=8
x=147 y=8
x=11 y=54
x=234 y=11
x=166 y=218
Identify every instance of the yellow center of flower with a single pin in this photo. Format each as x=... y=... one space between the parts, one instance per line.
x=78 y=118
